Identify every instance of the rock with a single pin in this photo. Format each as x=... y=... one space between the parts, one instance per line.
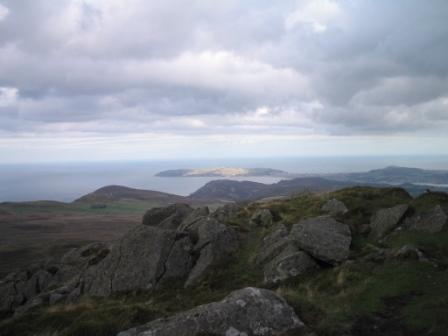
x=385 y=220
x=216 y=243
x=196 y=215
x=8 y=297
x=180 y=260
x=436 y=220
x=169 y=217
x=273 y=244
x=407 y=252
x=262 y=218
x=76 y=261
x=323 y=237
x=138 y=261
x=225 y=213
x=288 y=264
x=335 y=207
x=55 y=298
x=249 y=311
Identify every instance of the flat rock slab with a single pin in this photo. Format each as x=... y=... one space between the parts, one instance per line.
x=323 y=237
x=385 y=220
x=249 y=311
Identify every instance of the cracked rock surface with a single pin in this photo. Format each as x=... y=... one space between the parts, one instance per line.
x=249 y=311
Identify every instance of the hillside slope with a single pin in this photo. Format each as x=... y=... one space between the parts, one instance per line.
x=119 y=193
x=357 y=261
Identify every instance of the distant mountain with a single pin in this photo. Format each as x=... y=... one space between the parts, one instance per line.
x=221 y=172
x=230 y=190
x=118 y=193
x=396 y=175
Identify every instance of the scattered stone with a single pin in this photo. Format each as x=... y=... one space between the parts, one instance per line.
x=323 y=237
x=249 y=311
x=262 y=218
x=335 y=207
x=385 y=220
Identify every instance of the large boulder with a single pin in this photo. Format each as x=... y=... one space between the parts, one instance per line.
x=290 y=263
x=335 y=207
x=262 y=218
x=169 y=217
x=216 y=242
x=249 y=311
x=433 y=221
x=386 y=220
x=323 y=237
x=141 y=259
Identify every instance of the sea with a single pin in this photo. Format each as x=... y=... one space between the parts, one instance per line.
x=68 y=181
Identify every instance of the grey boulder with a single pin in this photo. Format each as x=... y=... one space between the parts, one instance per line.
x=386 y=220
x=323 y=237
x=273 y=244
x=290 y=263
x=262 y=218
x=141 y=259
x=433 y=221
x=335 y=207
x=194 y=216
x=216 y=242
x=246 y=312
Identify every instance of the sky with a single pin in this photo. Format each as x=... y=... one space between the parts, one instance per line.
x=137 y=79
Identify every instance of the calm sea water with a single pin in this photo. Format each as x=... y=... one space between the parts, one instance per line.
x=68 y=181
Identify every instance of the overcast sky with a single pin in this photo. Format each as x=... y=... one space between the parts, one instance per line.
x=139 y=79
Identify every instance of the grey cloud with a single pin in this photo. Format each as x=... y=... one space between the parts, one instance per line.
x=190 y=66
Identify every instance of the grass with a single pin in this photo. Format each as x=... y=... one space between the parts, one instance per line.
x=125 y=207
x=407 y=297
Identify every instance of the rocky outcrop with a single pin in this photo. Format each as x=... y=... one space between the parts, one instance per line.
x=216 y=242
x=433 y=221
x=194 y=216
x=385 y=220
x=176 y=242
x=262 y=218
x=249 y=311
x=51 y=281
x=169 y=217
x=281 y=258
x=323 y=237
x=335 y=207
x=226 y=213
x=136 y=262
